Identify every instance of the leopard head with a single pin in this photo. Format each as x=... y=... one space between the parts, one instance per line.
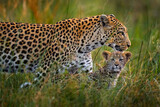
x=116 y=32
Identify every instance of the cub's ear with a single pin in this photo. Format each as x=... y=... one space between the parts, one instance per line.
x=106 y=54
x=105 y=21
x=128 y=55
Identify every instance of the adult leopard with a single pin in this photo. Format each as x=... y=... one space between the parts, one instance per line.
x=26 y=47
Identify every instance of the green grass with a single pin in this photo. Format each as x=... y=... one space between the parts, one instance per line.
x=138 y=85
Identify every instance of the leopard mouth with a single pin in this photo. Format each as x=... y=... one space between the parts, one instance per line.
x=118 y=48
x=115 y=47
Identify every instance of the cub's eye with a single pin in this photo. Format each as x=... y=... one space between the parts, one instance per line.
x=112 y=59
x=121 y=59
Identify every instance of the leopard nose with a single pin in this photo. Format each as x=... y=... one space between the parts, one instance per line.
x=128 y=45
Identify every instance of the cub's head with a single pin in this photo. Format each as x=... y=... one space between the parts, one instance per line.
x=116 y=33
x=116 y=60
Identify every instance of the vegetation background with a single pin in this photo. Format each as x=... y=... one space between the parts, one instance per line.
x=139 y=84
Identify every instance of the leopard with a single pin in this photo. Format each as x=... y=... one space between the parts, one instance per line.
x=110 y=72
x=37 y=47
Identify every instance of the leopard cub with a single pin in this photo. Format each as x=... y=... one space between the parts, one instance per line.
x=110 y=72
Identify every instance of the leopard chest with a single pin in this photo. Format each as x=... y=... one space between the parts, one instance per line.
x=79 y=62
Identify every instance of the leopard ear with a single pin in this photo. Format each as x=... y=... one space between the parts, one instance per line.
x=104 y=19
x=112 y=15
x=128 y=55
x=106 y=54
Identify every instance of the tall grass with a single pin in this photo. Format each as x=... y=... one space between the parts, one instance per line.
x=138 y=85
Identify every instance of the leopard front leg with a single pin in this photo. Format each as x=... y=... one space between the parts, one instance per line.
x=40 y=78
x=47 y=68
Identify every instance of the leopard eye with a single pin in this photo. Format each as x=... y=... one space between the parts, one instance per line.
x=122 y=28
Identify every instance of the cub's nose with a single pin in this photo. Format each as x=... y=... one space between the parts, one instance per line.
x=116 y=64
